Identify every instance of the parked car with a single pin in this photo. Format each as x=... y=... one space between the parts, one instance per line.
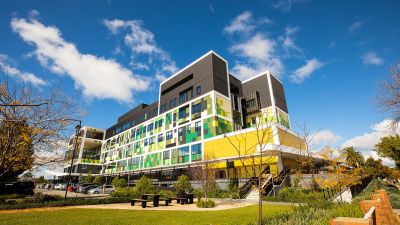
x=25 y=187
x=63 y=187
x=86 y=189
x=57 y=186
x=108 y=189
x=80 y=189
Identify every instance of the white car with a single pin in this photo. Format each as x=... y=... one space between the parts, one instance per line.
x=57 y=186
x=108 y=189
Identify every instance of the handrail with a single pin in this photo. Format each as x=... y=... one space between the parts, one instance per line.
x=370 y=213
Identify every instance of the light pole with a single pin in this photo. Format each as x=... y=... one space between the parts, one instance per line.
x=77 y=128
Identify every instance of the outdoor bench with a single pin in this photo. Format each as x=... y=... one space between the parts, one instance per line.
x=178 y=200
x=143 y=201
x=167 y=201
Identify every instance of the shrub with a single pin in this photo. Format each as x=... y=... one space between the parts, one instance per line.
x=183 y=185
x=205 y=204
x=212 y=189
x=166 y=193
x=294 y=194
x=119 y=182
x=39 y=197
x=11 y=196
x=127 y=192
x=70 y=201
x=88 y=178
x=97 y=180
x=144 y=186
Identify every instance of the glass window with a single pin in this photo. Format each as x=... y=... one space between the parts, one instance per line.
x=198 y=90
x=174 y=101
x=133 y=123
x=196 y=108
x=170 y=103
x=166 y=155
x=150 y=127
x=118 y=130
x=169 y=135
x=197 y=126
x=144 y=129
x=160 y=138
x=146 y=142
x=151 y=140
x=182 y=113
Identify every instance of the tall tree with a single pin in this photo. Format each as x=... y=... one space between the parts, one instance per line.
x=389 y=99
x=375 y=168
x=353 y=157
x=389 y=147
x=252 y=150
x=34 y=126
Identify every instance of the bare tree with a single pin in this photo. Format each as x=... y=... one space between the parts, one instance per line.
x=34 y=126
x=389 y=99
x=305 y=161
x=251 y=149
x=204 y=173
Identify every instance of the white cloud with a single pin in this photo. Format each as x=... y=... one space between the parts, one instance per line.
x=306 y=70
x=367 y=141
x=97 y=77
x=258 y=51
x=288 y=42
x=142 y=42
x=24 y=76
x=241 y=23
x=371 y=58
x=211 y=8
x=259 y=55
x=355 y=26
x=244 y=23
x=323 y=138
x=286 y=5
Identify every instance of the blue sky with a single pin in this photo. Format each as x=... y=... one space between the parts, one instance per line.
x=111 y=55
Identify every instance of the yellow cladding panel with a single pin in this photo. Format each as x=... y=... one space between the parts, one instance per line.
x=245 y=162
x=243 y=143
x=291 y=140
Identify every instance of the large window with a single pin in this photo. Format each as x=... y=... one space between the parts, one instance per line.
x=181 y=155
x=197 y=126
x=196 y=108
x=160 y=138
x=166 y=155
x=151 y=140
x=169 y=135
x=184 y=95
x=150 y=127
x=182 y=112
x=196 y=152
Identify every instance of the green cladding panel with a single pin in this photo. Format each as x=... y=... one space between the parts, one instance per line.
x=214 y=126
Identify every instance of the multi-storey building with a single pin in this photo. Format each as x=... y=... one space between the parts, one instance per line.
x=203 y=113
x=87 y=152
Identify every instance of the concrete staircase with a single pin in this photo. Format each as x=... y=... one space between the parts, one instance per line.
x=253 y=195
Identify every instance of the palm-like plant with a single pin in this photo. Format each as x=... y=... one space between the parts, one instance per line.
x=353 y=157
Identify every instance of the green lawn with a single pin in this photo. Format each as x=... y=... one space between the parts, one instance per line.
x=243 y=215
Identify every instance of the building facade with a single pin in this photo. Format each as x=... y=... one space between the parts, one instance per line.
x=203 y=113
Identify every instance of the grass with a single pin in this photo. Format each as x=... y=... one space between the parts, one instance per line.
x=244 y=215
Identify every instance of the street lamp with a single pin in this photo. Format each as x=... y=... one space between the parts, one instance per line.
x=77 y=128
